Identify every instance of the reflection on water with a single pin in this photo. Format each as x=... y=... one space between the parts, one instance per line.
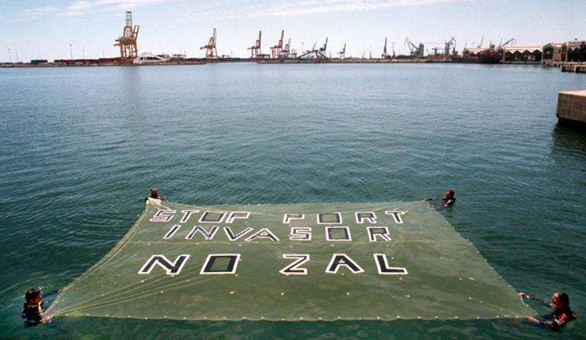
x=569 y=141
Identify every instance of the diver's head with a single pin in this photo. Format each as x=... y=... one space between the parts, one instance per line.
x=33 y=295
x=450 y=194
x=560 y=300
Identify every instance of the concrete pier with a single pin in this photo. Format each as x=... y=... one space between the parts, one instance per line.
x=573 y=67
x=572 y=107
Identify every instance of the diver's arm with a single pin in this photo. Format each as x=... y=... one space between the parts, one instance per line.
x=538 y=300
x=55 y=292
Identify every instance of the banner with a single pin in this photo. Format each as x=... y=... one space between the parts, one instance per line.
x=292 y=262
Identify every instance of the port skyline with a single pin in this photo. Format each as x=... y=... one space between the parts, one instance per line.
x=78 y=29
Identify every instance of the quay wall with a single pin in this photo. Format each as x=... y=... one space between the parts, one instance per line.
x=572 y=107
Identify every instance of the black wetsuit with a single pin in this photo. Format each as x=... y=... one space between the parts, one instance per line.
x=32 y=313
x=558 y=318
x=448 y=202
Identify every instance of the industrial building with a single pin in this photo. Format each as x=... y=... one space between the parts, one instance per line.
x=552 y=54
x=575 y=51
x=556 y=54
x=522 y=54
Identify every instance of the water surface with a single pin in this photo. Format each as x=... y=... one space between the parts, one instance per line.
x=80 y=147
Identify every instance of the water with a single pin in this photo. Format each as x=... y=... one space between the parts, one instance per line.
x=80 y=147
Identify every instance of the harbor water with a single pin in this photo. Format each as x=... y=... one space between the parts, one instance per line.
x=80 y=147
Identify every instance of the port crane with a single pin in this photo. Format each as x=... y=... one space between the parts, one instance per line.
x=416 y=51
x=343 y=52
x=255 y=51
x=316 y=53
x=385 y=54
x=481 y=42
x=287 y=49
x=127 y=42
x=277 y=50
x=506 y=43
x=211 y=51
x=450 y=48
x=324 y=48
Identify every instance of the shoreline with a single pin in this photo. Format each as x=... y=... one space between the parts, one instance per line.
x=92 y=63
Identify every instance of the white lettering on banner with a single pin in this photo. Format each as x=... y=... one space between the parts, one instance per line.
x=211 y=268
x=294 y=268
x=163 y=216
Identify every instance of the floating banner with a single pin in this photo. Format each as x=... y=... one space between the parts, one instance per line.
x=363 y=261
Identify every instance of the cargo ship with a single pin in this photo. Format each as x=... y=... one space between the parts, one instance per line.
x=490 y=55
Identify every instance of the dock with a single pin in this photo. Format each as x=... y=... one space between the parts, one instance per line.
x=573 y=67
x=572 y=108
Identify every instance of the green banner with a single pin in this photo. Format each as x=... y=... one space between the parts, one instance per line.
x=362 y=261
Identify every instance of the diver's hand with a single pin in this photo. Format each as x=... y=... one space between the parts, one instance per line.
x=525 y=295
x=534 y=320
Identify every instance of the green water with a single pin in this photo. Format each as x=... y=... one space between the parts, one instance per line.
x=79 y=148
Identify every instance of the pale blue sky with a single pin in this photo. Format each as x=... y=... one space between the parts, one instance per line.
x=43 y=29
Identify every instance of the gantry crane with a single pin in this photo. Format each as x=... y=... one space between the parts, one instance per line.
x=324 y=48
x=343 y=52
x=506 y=43
x=127 y=41
x=385 y=54
x=450 y=48
x=416 y=51
x=287 y=49
x=211 y=51
x=316 y=53
x=255 y=49
x=277 y=50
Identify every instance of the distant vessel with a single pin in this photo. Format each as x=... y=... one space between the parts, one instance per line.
x=465 y=60
x=489 y=56
x=479 y=55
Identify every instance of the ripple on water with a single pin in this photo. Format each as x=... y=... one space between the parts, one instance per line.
x=80 y=147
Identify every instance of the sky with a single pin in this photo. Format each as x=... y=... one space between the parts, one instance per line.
x=44 y=29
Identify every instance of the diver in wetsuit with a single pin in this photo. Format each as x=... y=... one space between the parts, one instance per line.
x=561 y=312
x=155 y=194
x=447 y=201
x=34 y=307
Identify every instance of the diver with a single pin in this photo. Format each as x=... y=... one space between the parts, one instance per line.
x=561 y=312
x=447 y=201
x=155 y=195
x=34 y=307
